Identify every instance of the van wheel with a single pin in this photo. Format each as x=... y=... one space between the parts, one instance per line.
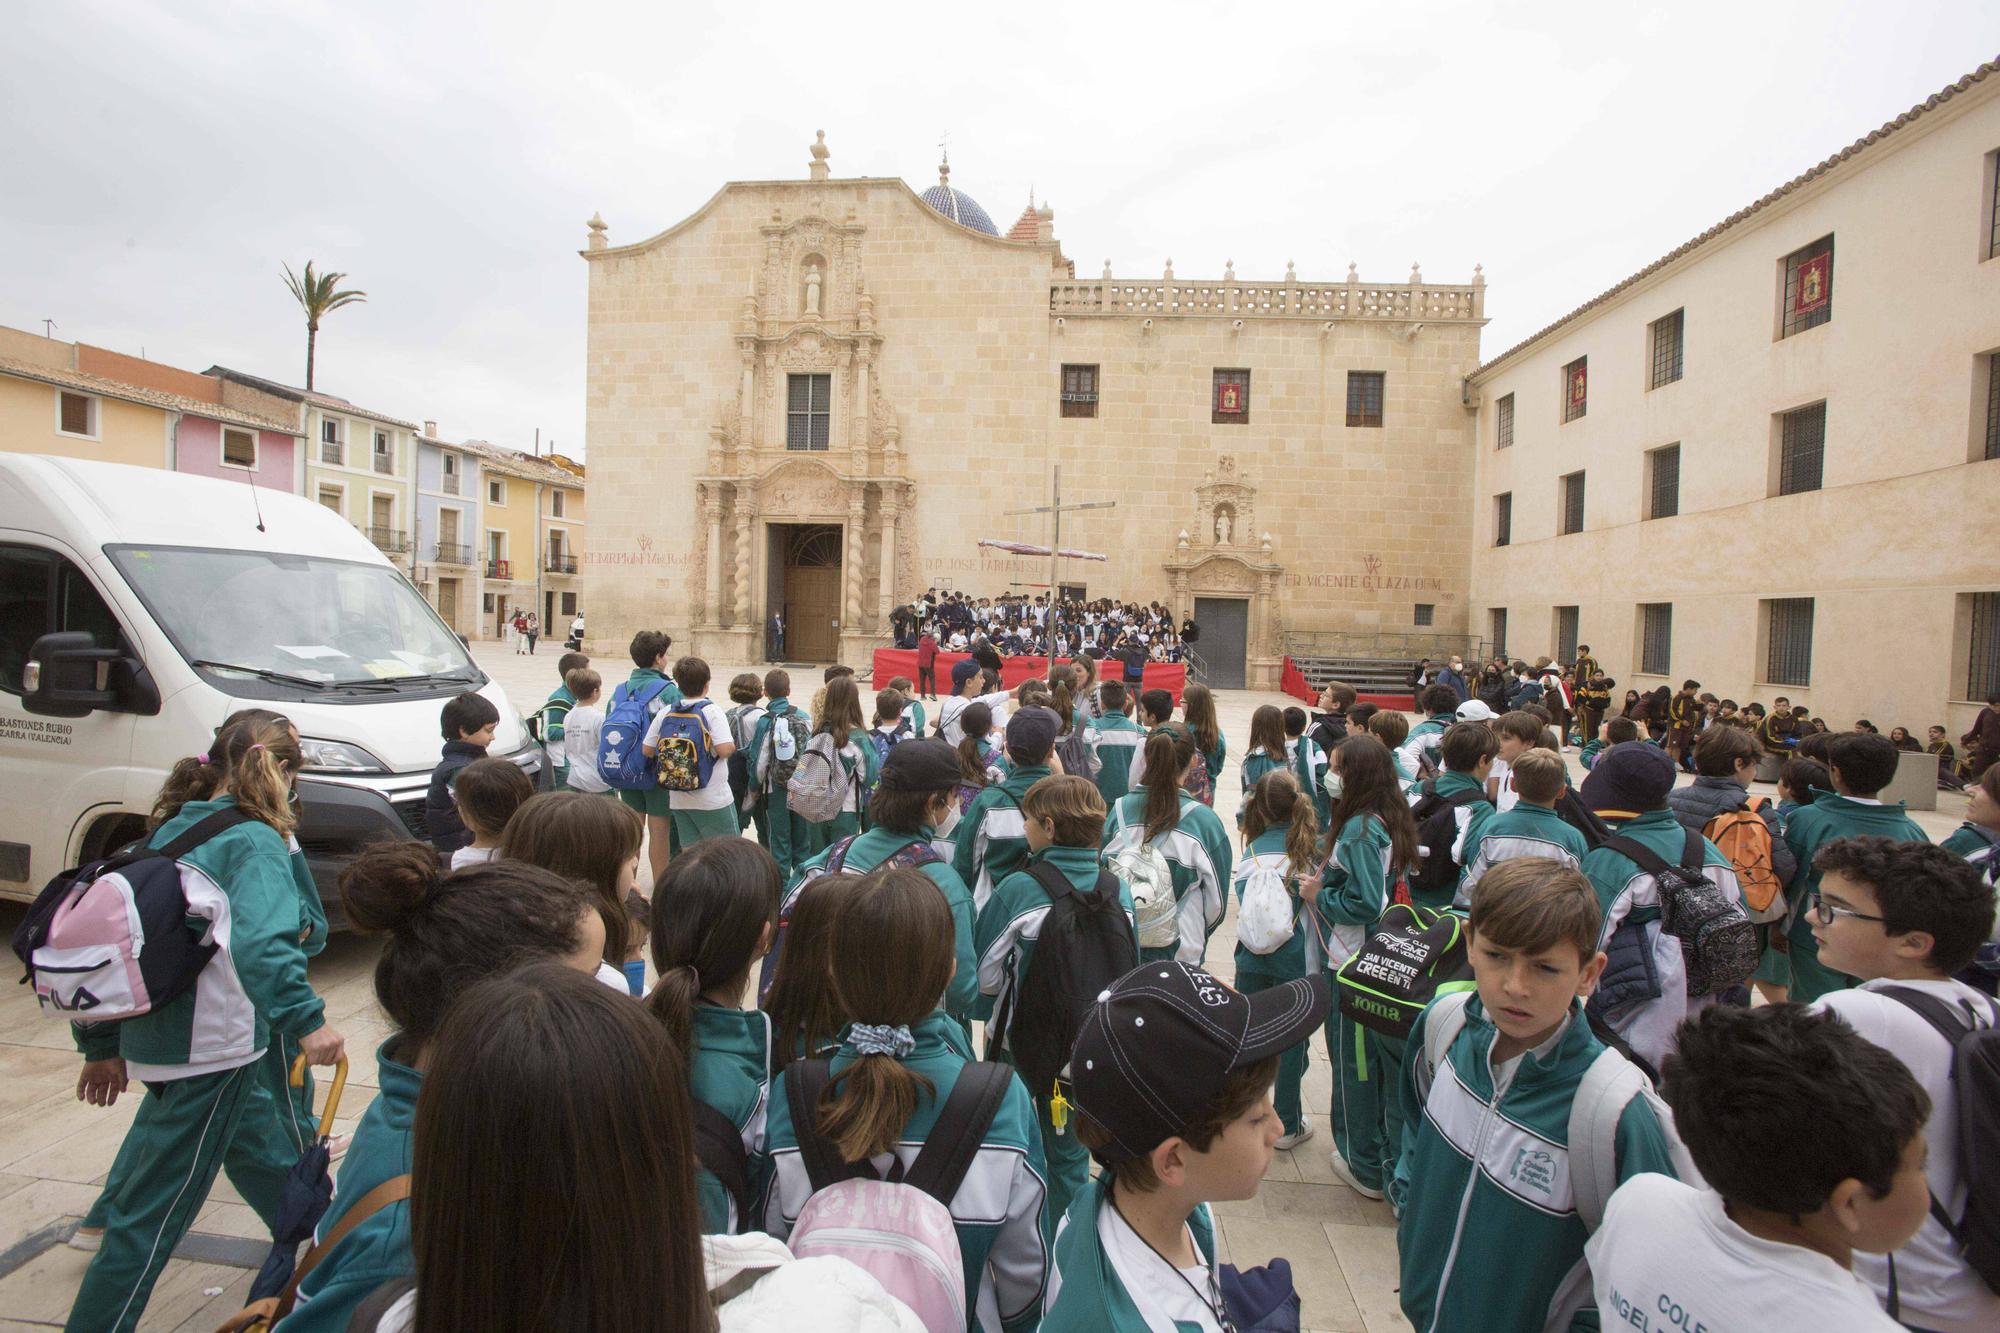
x=107 y=835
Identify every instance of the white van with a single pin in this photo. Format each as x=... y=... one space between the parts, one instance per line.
x=138 y=608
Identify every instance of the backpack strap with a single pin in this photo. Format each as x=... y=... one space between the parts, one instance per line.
x=718 y=1146
x=1651 y=862
x=1443 y=1021
x=199 y=833
x=836 y=855
x=1464 y=797
x=1954 y=1025
x=805 y=1083
x=393 y=1190
x=1055 y=883
x=1608 y=1086
x=960 y=1129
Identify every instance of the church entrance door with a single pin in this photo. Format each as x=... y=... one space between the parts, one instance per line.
x=1225 y=638
x=810 y=556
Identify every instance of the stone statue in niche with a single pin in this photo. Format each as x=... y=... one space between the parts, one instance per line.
x=812 y=290
x=1225 y=524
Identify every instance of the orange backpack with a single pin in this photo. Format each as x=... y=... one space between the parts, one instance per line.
x=1744 y=837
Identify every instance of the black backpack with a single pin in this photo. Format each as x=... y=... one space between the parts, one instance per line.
x=1413 y=955
x=1718 y=941
x=1975 y=1086
x=1086 y=943
x=1435 y=879
x=948 y=1149
x=719 y=1149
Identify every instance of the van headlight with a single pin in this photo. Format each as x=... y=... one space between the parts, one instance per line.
x=338 y=757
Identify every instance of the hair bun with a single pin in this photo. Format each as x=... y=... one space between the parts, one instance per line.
x=387 y=884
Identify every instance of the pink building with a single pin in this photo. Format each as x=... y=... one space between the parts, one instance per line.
x=219 y=430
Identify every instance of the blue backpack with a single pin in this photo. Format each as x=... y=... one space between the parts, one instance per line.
x=621 y=759
x=686 y=755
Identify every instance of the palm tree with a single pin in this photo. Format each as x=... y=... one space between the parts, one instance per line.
x=317 y=297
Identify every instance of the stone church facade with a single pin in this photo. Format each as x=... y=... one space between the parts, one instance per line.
x=816 y=396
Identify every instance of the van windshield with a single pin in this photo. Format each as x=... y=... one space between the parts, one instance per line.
x=319 y=622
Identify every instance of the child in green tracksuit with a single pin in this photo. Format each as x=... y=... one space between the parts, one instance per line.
x=1531 y=828
x=790 y=837
x=1280 y=832
x=1308 y=763
x=1114 y=739
x=1064 y=817
x=1418 y=753
x=1498 y=1194
x=1371 y=848
x=1862 y=765
x=555 y=712
x=1267 y=751
x=715 y=911
x=1616 y=731
x=840 y=717
x=1466 y=754
x=991 y=840
x=1186 y=833
x=198 y=1054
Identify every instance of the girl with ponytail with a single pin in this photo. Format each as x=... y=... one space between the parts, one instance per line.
x=1280 y=837
x=975 y=753
x=715 y=913
x=442 y=933
x=896 y=1066
x=1184 y=832
x=582 y=836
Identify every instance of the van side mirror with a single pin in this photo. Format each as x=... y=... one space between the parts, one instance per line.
x=68 y=674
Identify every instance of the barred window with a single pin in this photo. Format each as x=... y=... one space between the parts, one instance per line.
x=1503 y=519
x=1667 y=348
x=1079 y=391
x=1230 y=403
x=1993 y=406
x=1663 y=482
x=1566 y=632
x=1572 y=503
x=1801 y=449
x=808 y=416
x=1788 y=632
x=1982 y=659
x=1993 y=238
x=1364 y=397
x=1808 y=288
x=1656 y=637
x=1576 y=388
x=1503 y=423
x=1499 y=616
x=1426 y=614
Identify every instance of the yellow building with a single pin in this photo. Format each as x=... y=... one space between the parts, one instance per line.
x=531 y=537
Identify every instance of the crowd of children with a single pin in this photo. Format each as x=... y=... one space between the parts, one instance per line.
x=1558 y=1080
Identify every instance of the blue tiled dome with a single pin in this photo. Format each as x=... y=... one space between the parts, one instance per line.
x=960 y=207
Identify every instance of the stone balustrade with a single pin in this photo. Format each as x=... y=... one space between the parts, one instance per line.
x=1282 y=300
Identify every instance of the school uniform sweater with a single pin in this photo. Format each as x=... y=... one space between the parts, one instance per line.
x=378 y=1250
x=1114 y=740
x=1470 y=822
x=1422 y=744
x=993 y=835
x=447 y=831
x=1010 y=923
x=998 y=1211
x=1490 y=1237
x=1289 y=960
x=1525 y=830
x=731 y=1071
x=241 y=884
x=1970 y=839
x=1356 y=888
x=1808 y=829
x=1088 y=1293
x=1198 y=854
x=877 y=845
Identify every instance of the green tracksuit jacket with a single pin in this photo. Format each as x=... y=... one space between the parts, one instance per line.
x=1490 y=1238
x=1357 y=885
x=1087 y=1294
x=732 y=1073
x=1114 y=739
x=1471 y=821
x=1526 y=830
x=877 y=845
x=1969 y=839
x=1198 y=852
x=992 y=837
x=1808 y=829
x=1422 y=742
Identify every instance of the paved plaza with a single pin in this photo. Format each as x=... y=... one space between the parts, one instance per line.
x=55 y=1151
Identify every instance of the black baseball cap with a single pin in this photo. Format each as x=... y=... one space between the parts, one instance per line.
x=1155 y=1050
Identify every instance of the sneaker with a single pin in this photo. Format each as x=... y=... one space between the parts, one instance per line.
x=86 y=1238
x=1287 y=1142
x=1346 y=1174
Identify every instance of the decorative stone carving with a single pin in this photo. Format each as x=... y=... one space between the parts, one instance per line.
x=818 y=169
x=811 y=310
x=1222 y=574
x=807 y=351
x=1225 y=504
x=801 y=489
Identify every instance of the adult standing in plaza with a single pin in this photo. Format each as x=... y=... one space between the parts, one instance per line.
x=927 y=651
x=774 y=637
x=1982 y=743
x=534 y=632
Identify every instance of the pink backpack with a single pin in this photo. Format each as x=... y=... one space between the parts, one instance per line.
x=899 y=1229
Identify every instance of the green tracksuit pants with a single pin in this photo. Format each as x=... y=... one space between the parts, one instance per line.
x=1367 y=1115
x=791 y=840
x=186 y=1131
x=1067 y=1159
x=1291 y=1065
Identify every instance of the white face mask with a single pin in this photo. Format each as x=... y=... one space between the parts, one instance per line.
x=943 y=828
x=1331 y=784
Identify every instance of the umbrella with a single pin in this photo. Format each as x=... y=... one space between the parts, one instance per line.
x=1029 y=548
x=308 y=1190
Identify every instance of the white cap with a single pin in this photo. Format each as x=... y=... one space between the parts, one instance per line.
x=1475 y=710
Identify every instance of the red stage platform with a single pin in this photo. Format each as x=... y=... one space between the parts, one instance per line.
x=893 y=662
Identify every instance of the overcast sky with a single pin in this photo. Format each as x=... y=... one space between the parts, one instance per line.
x=163 y=161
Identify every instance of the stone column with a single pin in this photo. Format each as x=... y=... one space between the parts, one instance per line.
x=891 y=507
x=851 y=556
x=711 y=509
x=743 y=563
x=1260 y=639
x=863 y=432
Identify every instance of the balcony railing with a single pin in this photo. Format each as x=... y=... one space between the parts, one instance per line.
x=450 y=484
x=499 y=569
x=393 y=540
x=385 y=464
x=559 y=562
x=451 y=553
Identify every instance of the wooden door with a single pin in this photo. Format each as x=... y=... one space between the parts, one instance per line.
x=448 y=601
x=812 y=611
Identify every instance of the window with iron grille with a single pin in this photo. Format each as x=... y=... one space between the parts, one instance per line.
x=1667 y=348
x=239 y=448
x=1567 y=618
x=1503 y=519
x=1993 y=406
x=1499 y=618
x=1576 y=388
x=76 y=414
x=1426 y=614
x=1230 y=403
x=1788 y=632
x=1993 y=236
x=1808 y=288
x=1801 y=449
x=1663 y=482
x=1503 y=423
x=808 y=419
x=1656 y=637
x=1364 y=397
x=1982 y=661
x=1079 y=391
x=1572 y=503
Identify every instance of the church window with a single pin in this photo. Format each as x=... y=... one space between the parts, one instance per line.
x=1503 y=423
x=1801 y=449
x=1576 y=388
x=1079 y=391
x=1572 y=504
x=1808 y=288
x=808 y=421
x=1364 y=397
x=1426 y=614
x=1667 y=348
x=1231 y=403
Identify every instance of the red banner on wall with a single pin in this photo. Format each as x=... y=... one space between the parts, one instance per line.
x=1579 y=387
x=1229 y=398
x=1815 y=284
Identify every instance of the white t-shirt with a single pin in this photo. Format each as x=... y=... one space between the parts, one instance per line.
x=1505 y=798
x=715 y=794
x=952 y=708
x=1669 y=1258
x=1937 y=1288
x=472 y=856
x=1162 y=1299
x=580 y=734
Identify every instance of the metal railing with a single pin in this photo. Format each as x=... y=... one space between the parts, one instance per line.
x=385 y=464
x=1384 y=645
x=393 y=540
x=559 y=562
x=450 y=484
x=1197 y=669
x=499 y=569
x=451 y=553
